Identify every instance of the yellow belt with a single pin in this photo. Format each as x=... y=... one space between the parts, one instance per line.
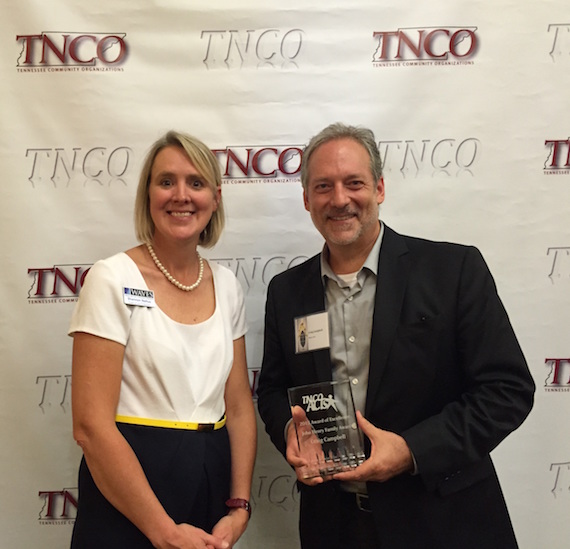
x=172 y=424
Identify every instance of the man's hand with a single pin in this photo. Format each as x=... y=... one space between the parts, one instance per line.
x=389 y=455
x=303 y=459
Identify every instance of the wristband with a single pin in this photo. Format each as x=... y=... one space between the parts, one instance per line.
x=239 y=503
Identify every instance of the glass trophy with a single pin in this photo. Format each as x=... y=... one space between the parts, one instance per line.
x=327 y=432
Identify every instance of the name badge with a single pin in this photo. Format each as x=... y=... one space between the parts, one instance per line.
x=139 y=298
x=312 y=332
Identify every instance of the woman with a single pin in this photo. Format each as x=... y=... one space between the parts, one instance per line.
x=161 y=401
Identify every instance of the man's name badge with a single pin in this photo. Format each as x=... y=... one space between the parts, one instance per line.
x=139 y=298
x=312 y=332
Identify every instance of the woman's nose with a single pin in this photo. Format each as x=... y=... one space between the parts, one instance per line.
x=181 y=191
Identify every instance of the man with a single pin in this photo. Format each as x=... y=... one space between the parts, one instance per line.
x=435 y=368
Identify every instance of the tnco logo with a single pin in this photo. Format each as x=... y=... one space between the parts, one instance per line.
x=318 y=402
x=429 y=45
x=277 y=490
x=55 y=392
x=268 y=164
x=253 y=375
x=103 y=166
x=562 y=478
x=448 y=157
x=560 y=267
x=558 y=158
x=560 y=41
x=270 y=48
x=58 y=507
x=257 y=272
x=57 y=284
x=558 y=379
x=71 y=51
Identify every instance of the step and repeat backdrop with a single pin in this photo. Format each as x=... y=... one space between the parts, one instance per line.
x=468 y=101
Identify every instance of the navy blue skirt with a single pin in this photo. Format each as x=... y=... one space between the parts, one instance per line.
x=189 y=471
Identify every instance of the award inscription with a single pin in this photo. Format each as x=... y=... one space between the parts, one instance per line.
x=327 y=432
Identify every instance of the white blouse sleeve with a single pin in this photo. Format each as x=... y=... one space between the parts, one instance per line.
x=100 y=310
x=236 y=298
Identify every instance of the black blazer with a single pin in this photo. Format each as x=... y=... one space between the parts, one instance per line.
x=446 y=373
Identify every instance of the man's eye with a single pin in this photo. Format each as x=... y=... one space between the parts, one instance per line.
x=322 y=187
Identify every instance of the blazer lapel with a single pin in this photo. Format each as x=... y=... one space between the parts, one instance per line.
x=393 y=272
x=312 y=296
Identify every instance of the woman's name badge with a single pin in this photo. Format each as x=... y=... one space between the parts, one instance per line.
x=139 y=298
x=312 y=332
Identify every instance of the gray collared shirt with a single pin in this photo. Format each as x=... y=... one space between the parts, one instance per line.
x=350 y=308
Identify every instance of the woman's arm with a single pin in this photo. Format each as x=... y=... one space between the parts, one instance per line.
x=96 y=381
x=242 y=431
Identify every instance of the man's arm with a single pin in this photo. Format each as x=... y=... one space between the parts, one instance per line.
x=498 y=388
x=274 y=380
x=495 y=397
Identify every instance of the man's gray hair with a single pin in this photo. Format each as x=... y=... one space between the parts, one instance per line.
x=361 y=135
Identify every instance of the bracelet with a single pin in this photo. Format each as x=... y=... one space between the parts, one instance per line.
x=239 y=503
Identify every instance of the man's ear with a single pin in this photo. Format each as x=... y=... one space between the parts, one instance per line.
x=380 y=191
x=306 y=200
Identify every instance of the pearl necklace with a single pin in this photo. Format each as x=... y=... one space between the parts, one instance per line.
x=170 y=278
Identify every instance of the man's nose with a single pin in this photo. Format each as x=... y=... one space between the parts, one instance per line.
x=340 y=196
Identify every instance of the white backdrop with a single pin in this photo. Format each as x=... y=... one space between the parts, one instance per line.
x=468 y=101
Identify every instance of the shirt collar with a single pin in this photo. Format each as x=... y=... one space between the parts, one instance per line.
x=371 y=262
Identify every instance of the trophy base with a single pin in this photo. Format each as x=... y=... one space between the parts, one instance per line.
x=330 y=466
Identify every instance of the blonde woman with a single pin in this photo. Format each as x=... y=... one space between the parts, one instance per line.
x=162 y=407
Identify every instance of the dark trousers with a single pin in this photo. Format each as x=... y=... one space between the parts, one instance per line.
x=189 y=472
x=333 y=519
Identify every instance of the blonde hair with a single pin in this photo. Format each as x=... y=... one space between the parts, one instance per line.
x=206 y=164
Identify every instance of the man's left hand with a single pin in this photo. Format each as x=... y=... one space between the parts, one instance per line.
x=389 y=455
